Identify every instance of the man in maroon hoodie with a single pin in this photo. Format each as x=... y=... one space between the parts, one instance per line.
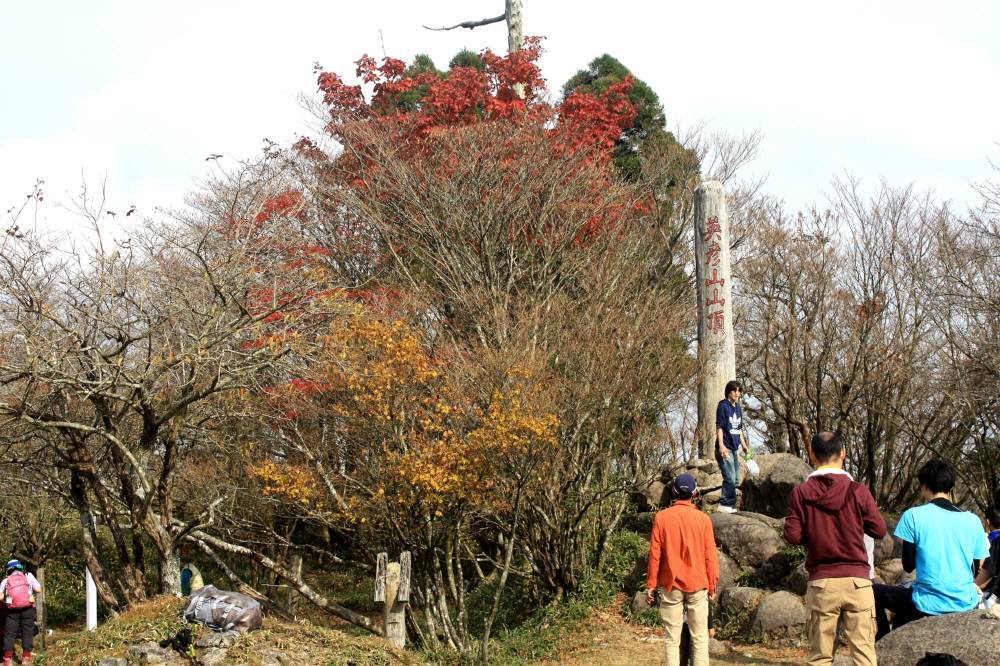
x=830 y=514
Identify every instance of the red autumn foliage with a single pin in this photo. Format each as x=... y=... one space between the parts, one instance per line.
x=416 y=113
x=509 y=88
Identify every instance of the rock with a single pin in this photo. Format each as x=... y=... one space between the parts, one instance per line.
x=797 y=581
x=888 y=547
x=842 y=659
x=736 y=600
x=891 y=572
x=152 y=653
x=749 y=538
x=636 y=579
x=768 y=491
x=970 y=637
x=644 y=521
x=655 y=495
x=780 y=619
x=639 y=602
x=213 y=656
x=717 y=648
x=225 y=639
x=113 y=661
x=776 y=568
x=273 y=659
x=728 y=571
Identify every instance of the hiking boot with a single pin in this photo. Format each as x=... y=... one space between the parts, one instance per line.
x=7 y=661
x=27 y=659
x=727 y=509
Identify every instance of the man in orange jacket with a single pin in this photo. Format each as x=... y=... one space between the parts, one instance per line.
x=684 y=567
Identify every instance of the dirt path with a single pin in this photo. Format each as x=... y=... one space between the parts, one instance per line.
x=608 y=640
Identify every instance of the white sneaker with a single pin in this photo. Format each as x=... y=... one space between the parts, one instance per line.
x=727 y=509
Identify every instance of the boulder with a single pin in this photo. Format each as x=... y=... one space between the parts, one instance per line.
x=749 y=538
x=736 y=600
x=274 y=659
x=638 y=603
x=717 y=648
x=888 y=547
x=768 y=491
x=728 y=571
x=223 y=639
x=797 y=581
x=891 y=572
x=776 y=568
x=653 y=495
x=973 y=637
x=152 y=653
x=113 y=661
x=780 y=619
x=644 y=521
x=213 y=656
x=636 y=579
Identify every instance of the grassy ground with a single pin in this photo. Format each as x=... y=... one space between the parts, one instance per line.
x=299 y=642
x=597 y=636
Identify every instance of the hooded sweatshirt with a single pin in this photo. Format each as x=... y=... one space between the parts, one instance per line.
x=831 y=514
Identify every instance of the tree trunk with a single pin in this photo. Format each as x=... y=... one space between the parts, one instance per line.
x=170 y=575
x=89 y=537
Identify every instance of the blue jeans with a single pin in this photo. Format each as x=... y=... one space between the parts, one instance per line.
x=730 y=476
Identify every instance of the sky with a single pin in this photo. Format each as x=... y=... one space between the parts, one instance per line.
x=138 y=94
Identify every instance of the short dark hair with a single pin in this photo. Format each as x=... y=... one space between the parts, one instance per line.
x=733 y=386
x=992 y=516
x=826 y=445
x=937 y=475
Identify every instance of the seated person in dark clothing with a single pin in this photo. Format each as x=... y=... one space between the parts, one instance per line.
x=986 y=580
x=944 y=544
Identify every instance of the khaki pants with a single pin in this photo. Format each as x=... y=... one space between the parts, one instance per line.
x=672 y=607
x=829 y=599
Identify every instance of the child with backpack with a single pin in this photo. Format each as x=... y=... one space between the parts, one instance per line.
x=18 y=591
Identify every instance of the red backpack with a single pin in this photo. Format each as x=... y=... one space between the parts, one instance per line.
x=18 y=590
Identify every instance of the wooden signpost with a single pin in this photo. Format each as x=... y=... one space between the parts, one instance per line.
x=392 y=588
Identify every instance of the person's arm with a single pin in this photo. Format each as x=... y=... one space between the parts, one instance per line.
x=33 y=582
x=743 y=438
x=720 y=439
x=907 y=532
x=653 y=570
x=711 y=559
x=793 y=522
x=874 y=523
x=909 y=556
x=985 y=574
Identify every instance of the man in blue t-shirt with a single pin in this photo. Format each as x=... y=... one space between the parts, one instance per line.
x=944 y=544
x=728 y=441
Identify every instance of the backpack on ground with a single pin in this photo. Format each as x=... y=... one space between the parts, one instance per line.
x=224 y=611
x=18 y=590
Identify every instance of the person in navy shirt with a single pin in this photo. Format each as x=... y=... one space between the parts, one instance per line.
x=944 y=545
x=728 y=441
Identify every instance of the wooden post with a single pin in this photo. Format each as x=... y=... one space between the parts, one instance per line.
x=392 y=587
x=716 y=342
x=43 y=623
